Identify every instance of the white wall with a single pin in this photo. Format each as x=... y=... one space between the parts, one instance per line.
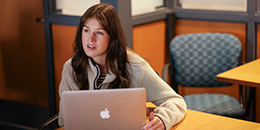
x=225 y=5
x=75 y=7
x=144 y=6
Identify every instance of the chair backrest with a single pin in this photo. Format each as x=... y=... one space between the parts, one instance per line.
x=197 y=58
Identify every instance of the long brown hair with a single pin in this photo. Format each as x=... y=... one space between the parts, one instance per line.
x=116 y=53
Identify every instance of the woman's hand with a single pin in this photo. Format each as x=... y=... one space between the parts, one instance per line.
x=154 y=124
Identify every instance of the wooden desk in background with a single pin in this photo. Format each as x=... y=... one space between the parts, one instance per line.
x=247 y=75
x=195 y=120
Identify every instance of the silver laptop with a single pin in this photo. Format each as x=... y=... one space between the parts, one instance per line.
x=110 y=109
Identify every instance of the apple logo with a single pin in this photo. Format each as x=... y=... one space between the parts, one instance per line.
x=105 y=114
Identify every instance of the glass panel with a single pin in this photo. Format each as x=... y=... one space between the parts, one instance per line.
x=145 y=6
x=223 y=5
x=74 y=7
x=258 y=6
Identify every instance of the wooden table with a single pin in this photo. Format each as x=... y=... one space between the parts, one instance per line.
x=195 y=120
x=247 y=74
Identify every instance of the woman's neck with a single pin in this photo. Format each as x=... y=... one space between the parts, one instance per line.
x=102 y=65
x=103 y=69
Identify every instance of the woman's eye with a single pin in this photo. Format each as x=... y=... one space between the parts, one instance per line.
x=99 y=33
x=86 y=30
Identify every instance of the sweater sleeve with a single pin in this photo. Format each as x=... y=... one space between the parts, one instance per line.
x=171 y=107
x=67 y=83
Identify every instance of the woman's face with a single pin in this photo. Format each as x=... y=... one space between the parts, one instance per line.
x=95 y=40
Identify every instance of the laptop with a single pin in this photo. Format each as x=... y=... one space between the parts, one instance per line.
x=108 y=109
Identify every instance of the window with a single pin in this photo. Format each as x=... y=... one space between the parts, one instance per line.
x=73 y=7
x=223 y=5
x=145 y=6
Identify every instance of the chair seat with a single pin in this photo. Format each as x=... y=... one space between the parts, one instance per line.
x=218 y=104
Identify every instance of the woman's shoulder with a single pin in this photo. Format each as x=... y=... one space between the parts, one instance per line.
x=136 y=62
x=67 y=65
x=133 y=57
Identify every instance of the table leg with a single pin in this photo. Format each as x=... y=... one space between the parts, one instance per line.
x=251 y=104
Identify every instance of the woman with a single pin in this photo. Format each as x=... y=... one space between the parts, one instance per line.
x=102 y=61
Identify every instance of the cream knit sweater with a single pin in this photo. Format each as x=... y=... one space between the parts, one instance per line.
x=171 y=106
